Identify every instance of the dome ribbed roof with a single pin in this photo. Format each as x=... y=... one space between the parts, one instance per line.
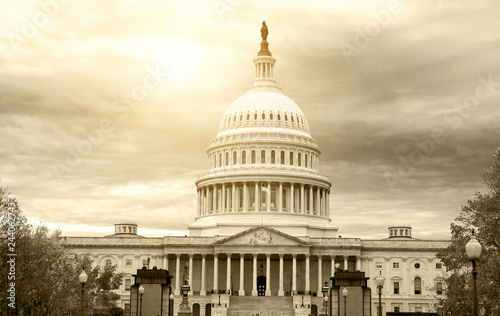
x=264 y=109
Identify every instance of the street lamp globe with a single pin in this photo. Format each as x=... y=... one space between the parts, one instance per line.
x=141 y=289
x=337 y=266
x=172 y=296
x=473 y=248
x=345 y=292
x=379 y=280
x=83 y=277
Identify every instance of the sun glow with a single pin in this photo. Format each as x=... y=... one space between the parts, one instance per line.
x=180 y=58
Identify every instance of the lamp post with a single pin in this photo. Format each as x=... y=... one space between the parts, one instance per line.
x=141 y=292
x=325 y=290
x=344 y=294
x=379 y=281
x=171 y=306
x=473 y=249
x=83 y=279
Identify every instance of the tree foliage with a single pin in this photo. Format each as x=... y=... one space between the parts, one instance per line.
x=45 y=274
x=482 y=214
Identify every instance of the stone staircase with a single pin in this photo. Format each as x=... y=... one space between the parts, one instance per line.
x=260 y=305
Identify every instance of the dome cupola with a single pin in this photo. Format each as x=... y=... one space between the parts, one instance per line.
x=263 y=165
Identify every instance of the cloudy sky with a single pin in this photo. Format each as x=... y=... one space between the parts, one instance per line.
x=107 y=107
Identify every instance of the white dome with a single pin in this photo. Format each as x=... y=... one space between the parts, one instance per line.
x=264 y=109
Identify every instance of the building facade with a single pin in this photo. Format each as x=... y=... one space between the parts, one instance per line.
x=263 y=239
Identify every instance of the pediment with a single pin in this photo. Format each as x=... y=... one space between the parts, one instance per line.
x=261 y=236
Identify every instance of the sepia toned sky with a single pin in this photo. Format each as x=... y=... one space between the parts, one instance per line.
x=107 y=107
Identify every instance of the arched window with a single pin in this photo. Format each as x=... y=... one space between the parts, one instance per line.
x=311 y=161
x=220 y=160
x=248 y=116
x=253 y=156
x=418 y=285
x=263 y=116
x=305 y=160
x=298 y=158
x=234 y=118
x=292 y=118
x=241 y=117
x=279 y=117
x=263 y=156
x=286 y=118
x=243 y=157
x=271 y=116
x=235 y=157
x=291 y=158
x=255 y=116
x=227 y=158
x=273 y=157
x=282 y=157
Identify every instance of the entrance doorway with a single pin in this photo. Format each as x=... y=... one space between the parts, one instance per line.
x=261 y=285
x=196 y=309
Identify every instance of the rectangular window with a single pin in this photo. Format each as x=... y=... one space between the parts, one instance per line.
x=396 y=309
x=418 y=309
x=439 y=266
x=378 y=265
x=395 y=265
x=145 y=262
x=396 y=287
x=418 y=285
x=439 y=288
x=128 y=282
x=128 y=262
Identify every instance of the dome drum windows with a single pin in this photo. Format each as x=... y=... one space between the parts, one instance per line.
x=235 y=158
x=253 y=157
x=263 y=157
x=273 y=157
x=243 y=157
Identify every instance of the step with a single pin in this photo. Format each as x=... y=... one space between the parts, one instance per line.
x=260 y=305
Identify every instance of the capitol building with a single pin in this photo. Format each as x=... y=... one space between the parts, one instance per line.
x=264 y=239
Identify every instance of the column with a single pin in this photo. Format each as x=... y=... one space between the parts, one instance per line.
x=223 y=198
x=268 y=197
x=323 y=202
x=280 y=198
x=198 y=203
x=332 y=265
x=327 y=204
x=317 y=202
x=245 y=199
x=308 y=279
x=358 y=263
x=164 y=263
x=346 y=263
x=191 y=274
x=203 y=277
x=242 y=275
x=214 y=196
x=203 y=204
x=177 y=275
x=233 y=198
x=254 y=282
x=208 y=206
x=228 y=274
x=216 y=272
x=280 y=291
x=294 y=274
x=311 y=198
x=302 y=199
x=257 y=197
x=291 y=199
x=320 y=276
x=268 y=274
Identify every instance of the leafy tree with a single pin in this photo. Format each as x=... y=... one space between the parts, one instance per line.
x=46 y=274
x=482 y=214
